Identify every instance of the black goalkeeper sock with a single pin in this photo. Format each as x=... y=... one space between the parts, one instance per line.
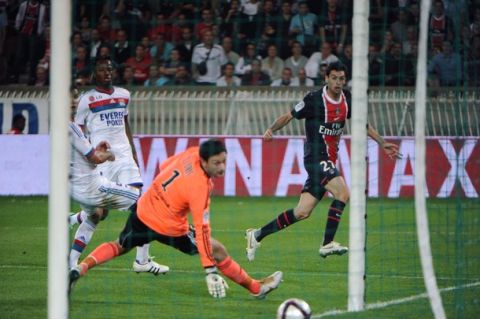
x=283 y=220
x=334 y=216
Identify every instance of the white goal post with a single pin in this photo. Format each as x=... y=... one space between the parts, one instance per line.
x=58 y=199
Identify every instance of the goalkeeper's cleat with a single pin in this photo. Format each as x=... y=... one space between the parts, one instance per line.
x=150 y=266
x=332 y=248
x=73 y=276
x=252 y=243
x=269 y=284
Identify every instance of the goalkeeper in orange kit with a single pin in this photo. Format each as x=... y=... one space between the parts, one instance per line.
x=182 y=187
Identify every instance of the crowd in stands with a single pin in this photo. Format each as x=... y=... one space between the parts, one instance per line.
x=241 y=42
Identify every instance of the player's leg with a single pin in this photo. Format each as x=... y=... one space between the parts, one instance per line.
x=232 y=270
x=308 y=200
x=339 y=190
x=84 y=234
x=126 y=172
x=77 y=218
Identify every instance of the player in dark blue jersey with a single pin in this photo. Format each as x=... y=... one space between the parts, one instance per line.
x=325 y=112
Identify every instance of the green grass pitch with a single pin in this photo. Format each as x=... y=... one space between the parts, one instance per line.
x=394 y=282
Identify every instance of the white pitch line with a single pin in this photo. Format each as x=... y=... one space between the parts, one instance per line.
x=393 y=302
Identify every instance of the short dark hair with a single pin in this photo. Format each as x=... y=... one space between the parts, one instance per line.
x=336 y=66
x=211 y=148
x=102 y=59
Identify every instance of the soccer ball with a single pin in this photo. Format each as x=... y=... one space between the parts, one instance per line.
x=294 y=308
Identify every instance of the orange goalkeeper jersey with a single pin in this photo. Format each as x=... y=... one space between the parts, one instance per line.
x=181 y=187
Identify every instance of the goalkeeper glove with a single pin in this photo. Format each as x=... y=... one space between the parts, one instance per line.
x=217 y=286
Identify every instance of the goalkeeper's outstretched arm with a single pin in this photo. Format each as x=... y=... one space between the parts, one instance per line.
x=390 y=149
x=280 y=122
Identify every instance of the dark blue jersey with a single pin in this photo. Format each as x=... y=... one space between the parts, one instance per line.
x=324 y=123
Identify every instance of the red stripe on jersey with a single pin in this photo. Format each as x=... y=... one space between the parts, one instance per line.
x=331 y=142
x=107 y=102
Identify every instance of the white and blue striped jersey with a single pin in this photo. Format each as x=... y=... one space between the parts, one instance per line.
x=80 y=167
x=102 y=116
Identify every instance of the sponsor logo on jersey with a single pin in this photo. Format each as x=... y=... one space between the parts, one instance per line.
x=336 y=130
x=112 y=118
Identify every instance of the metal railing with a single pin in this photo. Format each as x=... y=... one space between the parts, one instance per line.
x=214 y=111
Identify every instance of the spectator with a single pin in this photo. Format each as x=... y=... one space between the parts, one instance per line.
x=250 y=28
x=131 y=17
x=228 y=79
x=182 y=77
x=210 y=54
x=333 y=26
x=303 y=26
x=18 y=124
x=205 y=24
x=80 y=62
x=244 y=63
x=399 y=27
x=473 y=63
x=169 y=68
x=154 y=77
x=161 y=50
x=446 y=66
x=387 y=42
x=145 y=41
x=439 y=26
x=303 y=80
x=41 y=77
x=256 y=76
x=186 y=45
x=268 y=17
x=128 y=76
x=177 y=26
x=398 y=69
x=82 y=79
x=104 y=51
x=231 y=19
x=286 y=79
x=282 y=27
x=161 y=27
x=140 y=64
x=3 y=23
x=30 y=24
x=297 y=61
x=85 y=30
x=105 y=31
x=475 y=25
x=95 y=44
x=76 y=43
x=411 y=41
x=272 y=64
x=347 y=59
x=375 y=65
x=121 y=49
x=325 y=56
x=232 y=56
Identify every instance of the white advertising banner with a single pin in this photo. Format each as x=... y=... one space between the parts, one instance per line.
x=257 y=168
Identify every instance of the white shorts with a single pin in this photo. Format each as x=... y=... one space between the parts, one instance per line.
x=101 y=192
x=124 y=171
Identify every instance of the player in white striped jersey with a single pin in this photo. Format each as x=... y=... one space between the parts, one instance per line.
x=93 y=191
x=102 y=113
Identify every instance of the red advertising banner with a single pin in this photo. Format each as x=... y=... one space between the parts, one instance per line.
x=258 y=168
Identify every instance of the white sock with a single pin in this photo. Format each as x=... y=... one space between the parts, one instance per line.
x=77 y=218
x=82 y=238
x=142 y=254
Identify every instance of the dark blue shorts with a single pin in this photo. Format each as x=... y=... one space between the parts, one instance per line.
x=319 y=174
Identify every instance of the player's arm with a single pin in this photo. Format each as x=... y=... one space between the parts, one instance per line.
x=200 y=208
x=280 y=122
x=100 y=154
x=390 y=149
x=130 y=139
